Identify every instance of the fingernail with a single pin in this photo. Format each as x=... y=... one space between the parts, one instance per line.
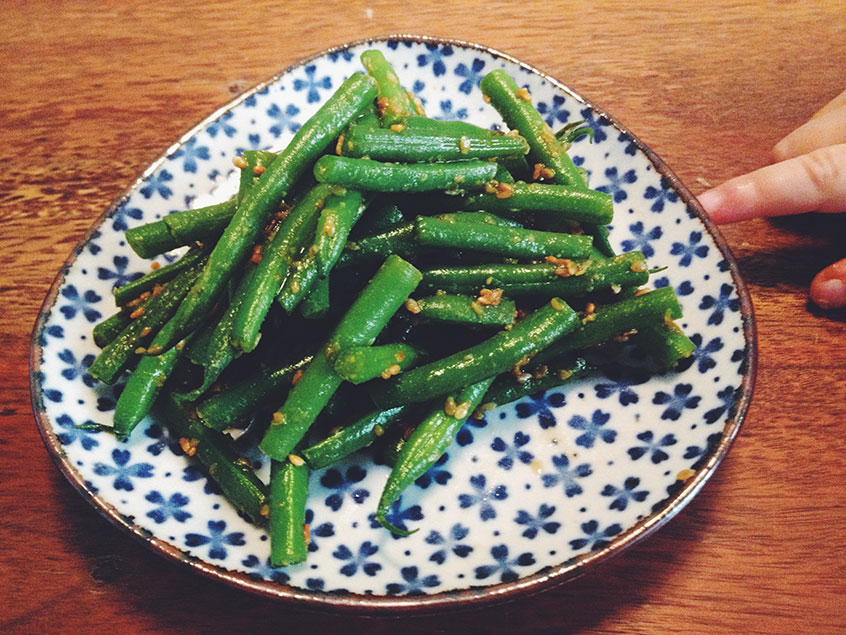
x=830 y=294
x=710 y=199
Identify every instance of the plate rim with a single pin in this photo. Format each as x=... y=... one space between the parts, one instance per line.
x=542 y=580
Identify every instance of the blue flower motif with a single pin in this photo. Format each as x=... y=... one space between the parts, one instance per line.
x=72 y=433
x=652 y=446
x=641 y=239
x=119 y=274
x=512 y=453
x=624 y=494
x=596 y=538
x=593 y=429
x=483 y=496
x=694 y=451
x=691 y=249
x=473 y=75
x=263 y=570
x=664 y=194
x=77 y=303
x=566 y=476
x=465 y=434
x=119 y=223
x=631 y=147
x=616 y=183
x=597 y=124
x=324 y=530
x=333 y=479
x=221 y=124
x=156 y=184
x=536 y=524
x=284 y=119
x=162 y=440
x=555 y=111
x=312 y=84
x=702 y=354
x=451 y=542
x=503 y=564
x=190 y=153
x=727 y=397
x=366 y=550
x=435 y=58
x=217 y=539
x=448 y=114
x=344 y=54
x=721 y=304
x=122 y=471
x=168 y=508
x=541 y=405
x=620 y=384
x=77 y=369
x=678 y=401
x=196 y=472
x=53 y=331
x=397 y=516
x=412 y=585
x=435 y=474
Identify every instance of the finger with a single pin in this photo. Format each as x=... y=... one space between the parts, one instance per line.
x=811 y=182
x=837 y=102
x=824 y=129
x=828 y=289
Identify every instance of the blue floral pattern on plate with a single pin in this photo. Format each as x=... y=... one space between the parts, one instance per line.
x=552 y=479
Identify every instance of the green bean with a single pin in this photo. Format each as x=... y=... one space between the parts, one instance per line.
x=506 y=388
x=515 y=107
x=359 y=364
x=514 y=242
x=255 y=164
x=426 y=445
x=552 y=204
x=316 y=304
x=117 y=355
x=613 y=319
x=666 y=343
x=376 y=176
x=107 y=330
x=180 y=228
x=287 y=503
x=394 y=101
x=566 y=279
x=145 y=383
x=479 y=217
x=236 y=404
x=215 y=451
x=463 y=309
x=398 y=240
x=274 y=267
x=367 y=316
x=354 y=95
x=351 y=438
x=486 y=359
x=421 y=146
x=131 y=290
x=341 y=212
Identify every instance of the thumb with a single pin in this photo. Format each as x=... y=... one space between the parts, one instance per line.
x=828 y=289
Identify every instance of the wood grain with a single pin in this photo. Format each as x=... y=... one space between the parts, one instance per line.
x=92 y=92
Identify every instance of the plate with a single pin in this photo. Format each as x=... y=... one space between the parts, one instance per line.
x=529 y=496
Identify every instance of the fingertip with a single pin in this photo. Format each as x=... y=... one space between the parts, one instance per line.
x=828 y=289
x=725 y=204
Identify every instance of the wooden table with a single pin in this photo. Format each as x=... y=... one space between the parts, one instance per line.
x=92 y=92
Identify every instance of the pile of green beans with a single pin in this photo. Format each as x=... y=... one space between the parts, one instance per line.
x=324 y=295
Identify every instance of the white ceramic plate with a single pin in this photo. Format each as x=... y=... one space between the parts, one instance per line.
x=529 y=496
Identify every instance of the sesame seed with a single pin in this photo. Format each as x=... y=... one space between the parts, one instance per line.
x=239 y=162
x=340 y=145
x=296 y=460
x=156 y=265
x=258 y=170
x=523 y=93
